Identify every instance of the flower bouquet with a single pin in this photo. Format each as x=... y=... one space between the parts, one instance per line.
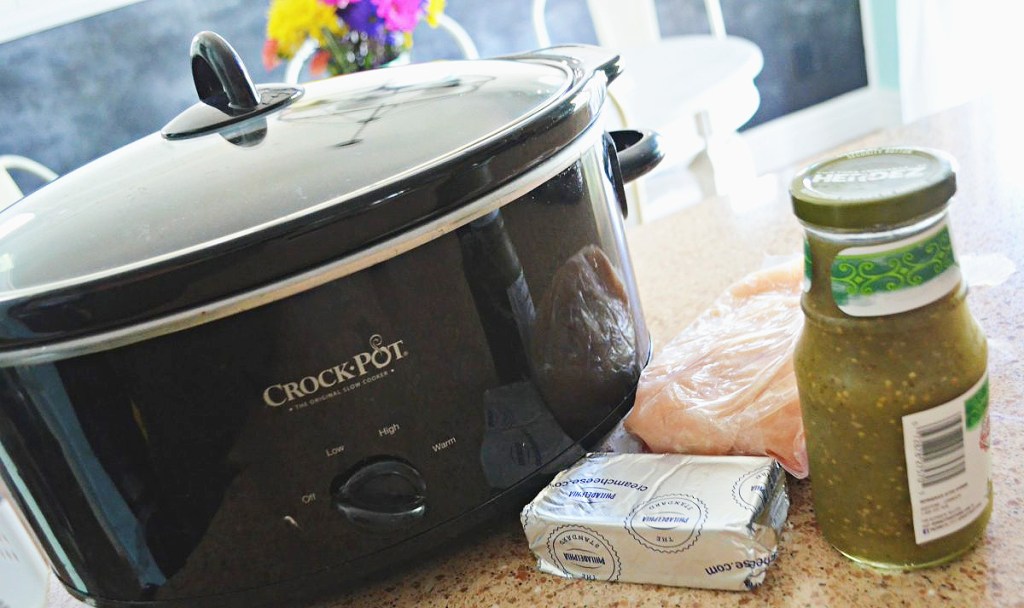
x=350 y=35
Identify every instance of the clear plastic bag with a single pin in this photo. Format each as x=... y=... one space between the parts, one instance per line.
x=725 y=384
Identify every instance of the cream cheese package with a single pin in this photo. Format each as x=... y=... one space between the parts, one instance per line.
x=695 y=521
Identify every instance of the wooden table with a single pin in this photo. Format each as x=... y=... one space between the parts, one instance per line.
x=682 y=263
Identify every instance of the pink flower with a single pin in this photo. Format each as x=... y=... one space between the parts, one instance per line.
x=399 y=15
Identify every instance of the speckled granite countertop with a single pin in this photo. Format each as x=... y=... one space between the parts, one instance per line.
x=682 y=263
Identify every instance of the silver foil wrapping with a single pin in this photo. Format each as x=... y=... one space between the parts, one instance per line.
x=695 y=521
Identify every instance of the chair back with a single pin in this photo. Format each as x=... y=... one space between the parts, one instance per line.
x=9 y=190
x=620 y=24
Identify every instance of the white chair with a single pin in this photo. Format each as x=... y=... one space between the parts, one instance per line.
x=695 y=90
x=9 y=191
x=293 y=70
x=23 y=572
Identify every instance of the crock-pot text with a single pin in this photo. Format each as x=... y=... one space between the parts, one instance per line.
x=380 y=357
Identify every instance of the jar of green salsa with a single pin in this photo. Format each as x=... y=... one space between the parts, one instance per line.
x=891 y=366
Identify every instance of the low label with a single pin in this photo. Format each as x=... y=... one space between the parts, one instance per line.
x=948 y=463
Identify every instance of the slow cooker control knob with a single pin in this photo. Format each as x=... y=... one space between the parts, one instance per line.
x=382 y=495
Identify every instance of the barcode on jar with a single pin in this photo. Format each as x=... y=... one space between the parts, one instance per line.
x=948 y=466
x=940 y=450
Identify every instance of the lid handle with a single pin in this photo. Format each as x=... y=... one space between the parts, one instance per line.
x=218 y=70
x=228 y=100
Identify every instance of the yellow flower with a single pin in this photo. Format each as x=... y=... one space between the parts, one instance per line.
x=290 y=22
x=434 y=10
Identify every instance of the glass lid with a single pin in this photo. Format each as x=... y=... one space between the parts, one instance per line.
x=159 y=198
x=225 y=199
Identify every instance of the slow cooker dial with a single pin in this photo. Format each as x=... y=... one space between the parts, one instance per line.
x=384 y=494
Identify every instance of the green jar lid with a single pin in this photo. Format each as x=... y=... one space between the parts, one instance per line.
x=875 y=188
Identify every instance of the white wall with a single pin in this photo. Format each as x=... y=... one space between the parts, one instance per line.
x=23 y=17
x=952 y=51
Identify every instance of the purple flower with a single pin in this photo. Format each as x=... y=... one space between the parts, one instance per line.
x=372 y=17
x=361 y=16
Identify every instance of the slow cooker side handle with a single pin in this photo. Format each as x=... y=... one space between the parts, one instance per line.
x=638 y=152
x=584 y=59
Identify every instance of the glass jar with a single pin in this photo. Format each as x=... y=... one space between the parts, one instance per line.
x=891 y=366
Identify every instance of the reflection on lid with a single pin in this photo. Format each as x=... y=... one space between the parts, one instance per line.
x=361 y=107
x=383 y=96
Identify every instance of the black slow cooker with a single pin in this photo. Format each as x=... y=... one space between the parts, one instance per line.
x=304 y=333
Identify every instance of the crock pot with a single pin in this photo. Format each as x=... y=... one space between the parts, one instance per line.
x=302 y=334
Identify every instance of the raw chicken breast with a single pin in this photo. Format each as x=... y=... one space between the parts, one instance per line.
x=584 y=348
x=726 y=385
